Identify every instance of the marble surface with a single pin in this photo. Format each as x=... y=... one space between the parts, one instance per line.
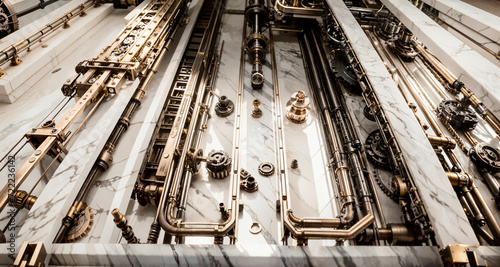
x=477 y=19
x=458 y=29
x=46 y=55
x=435 y=190
x=242 y=255
x=310 y=184
x=31 y=108
x=476 y=72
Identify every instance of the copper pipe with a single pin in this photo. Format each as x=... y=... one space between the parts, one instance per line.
x=488 y=215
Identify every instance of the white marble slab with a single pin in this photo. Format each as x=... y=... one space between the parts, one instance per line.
x=458 y=30
x=477 y=19
x=46 y=55
x=445 y=214
x=476 y=72
x=244 y=255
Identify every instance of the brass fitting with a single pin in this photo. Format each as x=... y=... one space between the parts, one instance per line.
x=121 y=222
x=23 y=200
x=256 y=112
x=297 y=108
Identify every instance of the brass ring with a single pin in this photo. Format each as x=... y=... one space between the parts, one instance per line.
x=259 y=228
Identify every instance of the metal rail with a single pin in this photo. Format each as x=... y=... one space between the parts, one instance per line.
x=11 y=53
x=471 y=199
x=131 y=55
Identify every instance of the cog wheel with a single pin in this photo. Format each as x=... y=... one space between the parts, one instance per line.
x=8 y=19
x=457 y=115
x=344 y=71
x=266 y=169
x=368 y=113
x=485 y=156
x=82 y=226
x=376 y=150
x=385 y=185
x=218 y=164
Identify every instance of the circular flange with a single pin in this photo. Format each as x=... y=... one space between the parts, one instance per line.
x=249 y=184
x=257 y=80
x=376 y=150
x=224 y=107
x=255 y=228
x=82 y=226
x=457 y=115
x=266 y=169
x=486 y=156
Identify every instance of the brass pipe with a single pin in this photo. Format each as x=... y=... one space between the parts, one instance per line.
x=488 y=215
x=320 y=233
x=459 y=179
x=23 y=44
x=485 y=113
x=441 y=141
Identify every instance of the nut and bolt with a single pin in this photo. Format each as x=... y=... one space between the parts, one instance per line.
x=295 y=164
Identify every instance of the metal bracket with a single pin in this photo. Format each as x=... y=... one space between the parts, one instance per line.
x=458 y=255
x=31 y=254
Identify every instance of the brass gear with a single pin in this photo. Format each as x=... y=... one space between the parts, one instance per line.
x=82 y=226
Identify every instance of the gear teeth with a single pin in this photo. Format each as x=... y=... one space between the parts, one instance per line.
x=387 y=191
x=83 y=226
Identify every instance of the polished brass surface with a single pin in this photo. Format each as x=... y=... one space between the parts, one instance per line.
x=31 y=255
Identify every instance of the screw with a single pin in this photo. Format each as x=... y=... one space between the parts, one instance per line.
x=295 y=164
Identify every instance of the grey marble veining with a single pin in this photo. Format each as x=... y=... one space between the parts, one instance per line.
x=242 y=255
x=476 y=72
x=435 y=190
x=475 y=40
x=477 y=19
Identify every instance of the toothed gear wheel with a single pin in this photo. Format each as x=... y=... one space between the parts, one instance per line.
x=486 y=156
x=385 y=186
x=458 y=116
x=82 y=226
x=344 y=71
x=218 y=164
x=368 y=113
x=8 y=19
x=376 y=150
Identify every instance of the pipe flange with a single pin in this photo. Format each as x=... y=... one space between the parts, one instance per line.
x=224 y=107
x=257 y=37
x=457 y=115
x=255 y=228
x=486 y=156
x=257 y=80
x=266 y=169
x=194 y=158
x=218 y=164
x=249 y=184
